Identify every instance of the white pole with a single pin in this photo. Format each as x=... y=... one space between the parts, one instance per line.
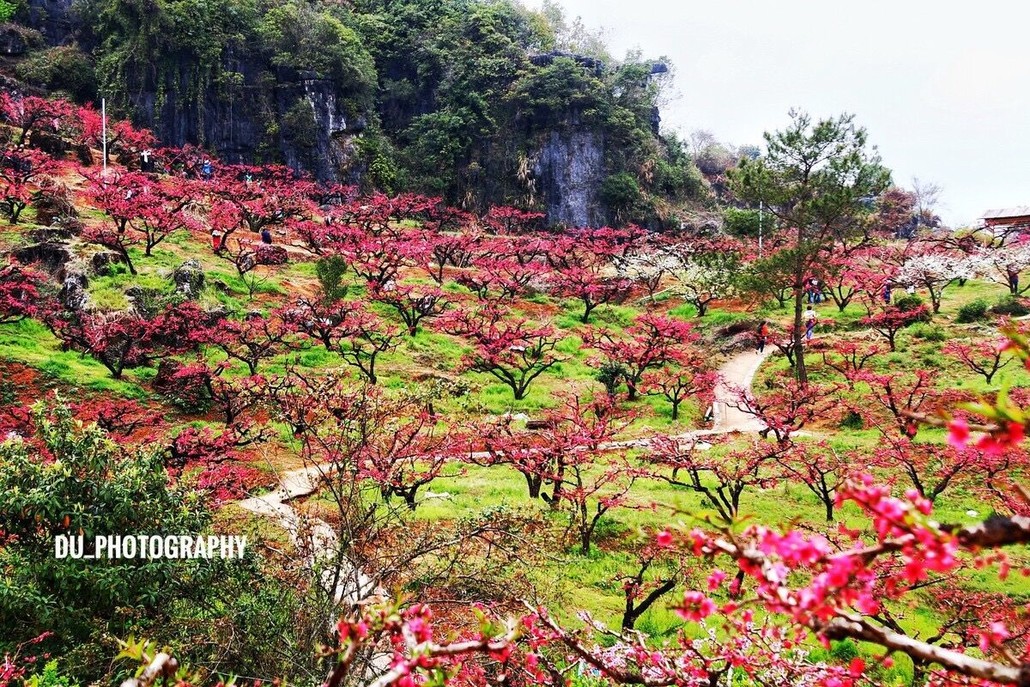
x=760 y=205
x=103 y=130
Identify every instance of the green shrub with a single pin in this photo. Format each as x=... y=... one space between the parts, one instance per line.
x=928 y=332
x=908 y=303
x=1010 y=305
x=63 y=68
x=741 y=222
x=611 y=374
x=330 y=271
x=7 y=10
x=50 y=677
x=844 y=651
x=973 y=311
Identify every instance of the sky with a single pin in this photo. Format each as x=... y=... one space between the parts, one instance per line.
x=942 y=88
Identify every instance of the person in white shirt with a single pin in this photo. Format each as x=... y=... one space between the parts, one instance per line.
x=809 y=318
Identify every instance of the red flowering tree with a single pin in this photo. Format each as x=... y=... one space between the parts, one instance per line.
x=510 y=348
x=677 y=384
x=406 y=447
x=787 y=408
x=249 y=341
x=849 y=358
x=29 y=113
x=500 y=276
x=898 y=397
x=985 y=358
x=454 y=250
x=21 y=169
x=246 y=255
x=412 y=302
x=721 y=478
x=19 y=292
x=256 y=198
x=821 y=468
x=502 y=219
x=118 y=340
x=651 y=342
x=892 y=319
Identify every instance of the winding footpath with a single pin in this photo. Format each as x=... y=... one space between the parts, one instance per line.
x=736 y=373
x=319 y=539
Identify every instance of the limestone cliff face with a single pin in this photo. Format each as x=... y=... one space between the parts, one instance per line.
x=250 y=114
x=568 y=173
x=254 y=113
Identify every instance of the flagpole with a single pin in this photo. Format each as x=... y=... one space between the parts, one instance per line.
x=103 y=129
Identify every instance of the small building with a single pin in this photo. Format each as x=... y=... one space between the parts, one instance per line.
x=1007 y=218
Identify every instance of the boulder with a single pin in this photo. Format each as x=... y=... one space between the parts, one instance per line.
x=49 y=234
x=18 y=40
x=189 y=278
x=103 y=261
x=51 y=255
x=73 y=291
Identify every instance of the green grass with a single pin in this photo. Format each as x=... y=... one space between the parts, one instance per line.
x=30 y=343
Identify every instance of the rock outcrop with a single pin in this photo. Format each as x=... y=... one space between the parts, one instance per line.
x=189 y=278
x=568 y=174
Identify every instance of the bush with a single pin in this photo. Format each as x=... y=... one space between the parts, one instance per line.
x=844 y=650
x=611 y=374
x=620 y=191
x=740 y=222
x=1010 y=305
x=330 y=271
x=64 y=68
x=908 y=303
x=928 y=332
x=973 y=311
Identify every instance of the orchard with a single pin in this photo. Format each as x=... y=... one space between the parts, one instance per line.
x=472 y=449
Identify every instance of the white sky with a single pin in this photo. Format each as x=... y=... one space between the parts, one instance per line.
x=943 y=88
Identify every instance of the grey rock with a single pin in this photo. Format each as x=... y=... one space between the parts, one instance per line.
x=73 y=292
x=103 y=261
x=51 y=255
x=189 y=278
x=569 y=171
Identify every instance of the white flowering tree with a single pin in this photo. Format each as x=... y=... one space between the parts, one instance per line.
x=935 y=270
x=1005 y=265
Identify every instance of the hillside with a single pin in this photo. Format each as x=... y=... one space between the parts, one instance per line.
x=479 y=102
x=471 y=449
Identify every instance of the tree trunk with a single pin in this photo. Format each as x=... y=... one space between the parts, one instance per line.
x=799 y=342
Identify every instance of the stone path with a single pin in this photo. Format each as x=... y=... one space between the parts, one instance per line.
x=737 y=373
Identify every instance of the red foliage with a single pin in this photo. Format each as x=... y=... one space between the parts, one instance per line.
x=20 y=169
x=507 y=220
x=892 y=319
x=652 y=341
x=19 y=292
x=511 y=348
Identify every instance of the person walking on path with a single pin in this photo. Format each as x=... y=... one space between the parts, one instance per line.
x=810 y=317
x=266 y=236
x=762 y=336
x=887 y=293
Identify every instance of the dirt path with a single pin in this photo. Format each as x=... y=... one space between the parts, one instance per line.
x=737 y=373
x=315 y=537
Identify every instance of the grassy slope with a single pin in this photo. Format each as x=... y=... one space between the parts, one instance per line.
x=588 y=583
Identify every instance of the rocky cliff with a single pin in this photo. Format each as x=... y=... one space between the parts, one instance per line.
x=437 y=114
x=568 y=173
